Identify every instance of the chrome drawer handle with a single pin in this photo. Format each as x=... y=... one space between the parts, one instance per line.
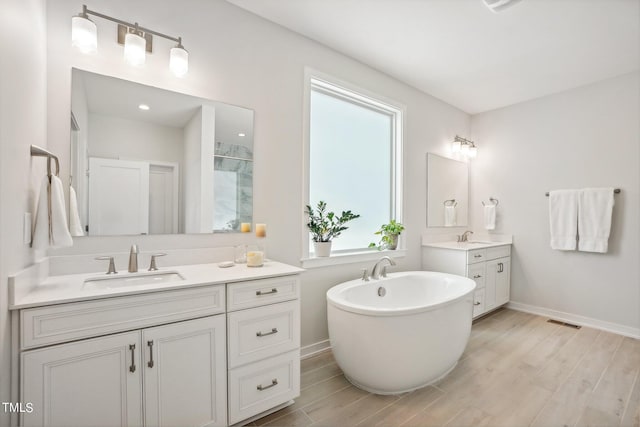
x=477 y=276
x=132 y=368
x=477 y=303
x=274 y=382
x=264 y=334
x=272 y=291
x=477 y=256
x=150 y=362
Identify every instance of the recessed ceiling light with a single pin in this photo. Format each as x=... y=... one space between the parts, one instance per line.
x=241 y=134
x=144 y=107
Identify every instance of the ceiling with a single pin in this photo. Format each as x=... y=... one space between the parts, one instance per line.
x=464 y=54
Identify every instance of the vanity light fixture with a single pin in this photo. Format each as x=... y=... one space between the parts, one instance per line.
x=464 y=146
x=136 y=39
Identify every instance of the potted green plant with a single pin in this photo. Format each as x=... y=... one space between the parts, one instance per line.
x=324 y=226
x=388 y=235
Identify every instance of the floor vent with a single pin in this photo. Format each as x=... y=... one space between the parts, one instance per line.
x=570 y=325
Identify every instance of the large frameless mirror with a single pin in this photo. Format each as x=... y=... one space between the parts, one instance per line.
x=150 y=161
x=447 y=192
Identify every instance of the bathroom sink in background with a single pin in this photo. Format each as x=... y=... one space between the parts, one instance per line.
x=112 y=282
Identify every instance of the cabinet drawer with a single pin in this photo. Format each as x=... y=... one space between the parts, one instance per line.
x=261 y=292
x=476 y=255
x=262 y=385
x=478 y=302
x=498 y=252
x=262 y=332
x=477 y=273
x=66 y=322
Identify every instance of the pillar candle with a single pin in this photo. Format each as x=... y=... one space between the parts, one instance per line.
x=261 y=230
x=245 y=227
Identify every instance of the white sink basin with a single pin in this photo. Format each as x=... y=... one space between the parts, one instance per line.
x=135 y=279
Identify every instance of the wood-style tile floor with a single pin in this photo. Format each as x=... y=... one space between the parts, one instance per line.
x=517 y=370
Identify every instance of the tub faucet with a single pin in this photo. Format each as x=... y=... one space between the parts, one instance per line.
x=375 y=273
x=133 y=259
x=464 y=237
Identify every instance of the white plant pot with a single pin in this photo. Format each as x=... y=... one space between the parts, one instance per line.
x=322 y=249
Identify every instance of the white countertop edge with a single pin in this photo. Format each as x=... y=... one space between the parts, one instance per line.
x=69 y=288
x=465 y=246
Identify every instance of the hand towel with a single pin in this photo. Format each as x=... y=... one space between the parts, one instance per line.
x=450 y=216
x=51 y=229
x=75 y=226
x=595 y=206
x=490 y=217
x=563 y=219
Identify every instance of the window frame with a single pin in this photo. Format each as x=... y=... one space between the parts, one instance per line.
x=315 y=80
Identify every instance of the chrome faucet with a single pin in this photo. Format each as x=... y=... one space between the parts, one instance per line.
x=133 y=259
x=380 y=270
x=464 y=237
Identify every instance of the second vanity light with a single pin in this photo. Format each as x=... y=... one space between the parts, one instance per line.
x=136 y=39
x=464 y=146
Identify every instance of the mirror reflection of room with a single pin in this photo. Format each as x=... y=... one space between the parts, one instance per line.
x=174 y=163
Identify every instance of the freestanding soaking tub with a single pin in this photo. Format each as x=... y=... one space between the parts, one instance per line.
x=402 y=332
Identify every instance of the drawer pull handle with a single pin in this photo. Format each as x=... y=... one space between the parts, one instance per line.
x=274 y=382
x=500 y=267
x=272 y=291
x=132 y=368
x=150 y=363
x=264 y=334
x=477 y=303
x=477 y=276
x=477 y=256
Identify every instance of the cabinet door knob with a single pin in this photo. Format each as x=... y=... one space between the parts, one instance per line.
x=477 y=303
x=132 y=368
x=477 y=276
x=477 y=256
x=274 y=382
x=264 y=334
x=150 y=363
x=272 y=291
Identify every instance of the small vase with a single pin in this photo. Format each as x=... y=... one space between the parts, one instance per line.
x=322 y=249
x=394 y=242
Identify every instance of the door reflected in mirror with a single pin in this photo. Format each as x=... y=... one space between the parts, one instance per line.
x=150 y=161
x=447 y=192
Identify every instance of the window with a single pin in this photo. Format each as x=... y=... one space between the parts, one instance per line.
x=354 y=159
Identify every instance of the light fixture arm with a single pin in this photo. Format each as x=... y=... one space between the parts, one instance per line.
x=464 y=141
x=85 y=12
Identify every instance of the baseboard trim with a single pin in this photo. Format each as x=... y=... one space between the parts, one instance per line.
x=313 y=349
x=616 y=328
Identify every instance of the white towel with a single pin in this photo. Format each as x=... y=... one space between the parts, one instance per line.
x=490 y=217
x=51 y=229
x=563 y=219
x=450 y=216
x=75 y=226
x=595 y=206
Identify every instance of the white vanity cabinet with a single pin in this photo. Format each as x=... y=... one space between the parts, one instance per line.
x=173 y=374
x=263 y=329
x=489 y=267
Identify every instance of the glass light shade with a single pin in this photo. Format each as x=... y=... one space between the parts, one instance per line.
x=473 y=151
x=134 y=49
x=455 y=146
x=179 y=61
x=84 y=34
x=464 y=149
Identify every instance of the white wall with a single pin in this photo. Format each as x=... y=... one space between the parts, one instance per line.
x=241 y=59
x=586 y=137
x=117 y=138
x=22 y=123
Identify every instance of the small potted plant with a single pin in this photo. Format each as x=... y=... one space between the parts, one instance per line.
x=389 y=235
x=324 y=226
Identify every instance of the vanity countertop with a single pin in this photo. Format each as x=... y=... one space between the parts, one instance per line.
x=465 y=246
x=71 y=288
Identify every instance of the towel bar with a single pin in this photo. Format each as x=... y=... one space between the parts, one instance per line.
x=615 y=191
x=41 y=152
